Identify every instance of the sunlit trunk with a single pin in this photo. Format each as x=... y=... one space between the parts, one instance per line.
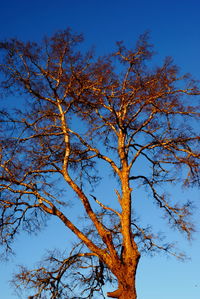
x=126 y=282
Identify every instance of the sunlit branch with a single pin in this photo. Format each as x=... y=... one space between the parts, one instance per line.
x=98 y=153
x=105 y=207
x=148 y=238
x=175 y=213
x=107 y=122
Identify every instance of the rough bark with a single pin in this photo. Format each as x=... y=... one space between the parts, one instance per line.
x=123 y=294
x=126 y=276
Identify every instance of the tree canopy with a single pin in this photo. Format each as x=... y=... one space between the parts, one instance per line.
x=77 y=114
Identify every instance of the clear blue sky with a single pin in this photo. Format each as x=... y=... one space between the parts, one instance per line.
x=175 y=31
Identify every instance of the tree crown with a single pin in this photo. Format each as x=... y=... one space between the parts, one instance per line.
x=79 y=114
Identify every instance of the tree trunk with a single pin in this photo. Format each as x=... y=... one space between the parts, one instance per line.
x=123 y=293
x=126 y=282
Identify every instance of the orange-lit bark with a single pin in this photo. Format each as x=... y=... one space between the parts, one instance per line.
x=84 y=114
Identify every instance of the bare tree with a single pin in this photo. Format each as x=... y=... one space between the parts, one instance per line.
x=78 y=114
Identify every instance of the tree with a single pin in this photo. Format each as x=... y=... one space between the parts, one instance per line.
x=80 y=114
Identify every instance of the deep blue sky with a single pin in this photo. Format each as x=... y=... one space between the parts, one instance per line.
x=175 y=31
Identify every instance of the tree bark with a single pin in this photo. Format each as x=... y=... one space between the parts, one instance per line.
x=123 y=293
x=126 y=280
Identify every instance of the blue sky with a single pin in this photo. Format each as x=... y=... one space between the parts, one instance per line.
x=174 y=27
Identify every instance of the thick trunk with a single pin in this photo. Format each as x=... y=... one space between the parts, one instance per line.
x=128 y=294
x=126 y=281
x=125 y=270
x=124 y=293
